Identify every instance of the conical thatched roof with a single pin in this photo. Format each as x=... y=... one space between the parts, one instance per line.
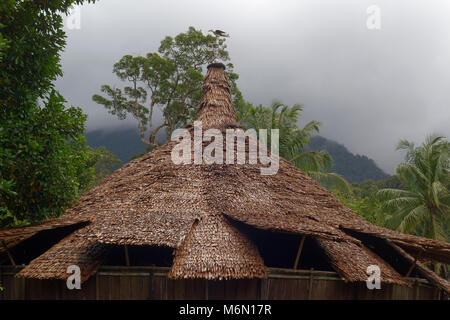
x=193 y=209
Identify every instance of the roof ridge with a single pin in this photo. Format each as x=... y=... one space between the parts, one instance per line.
x=216 y=108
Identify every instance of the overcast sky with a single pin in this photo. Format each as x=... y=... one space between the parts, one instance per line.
x=369 y=88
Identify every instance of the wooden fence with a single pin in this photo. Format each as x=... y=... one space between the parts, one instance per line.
x=152 y=283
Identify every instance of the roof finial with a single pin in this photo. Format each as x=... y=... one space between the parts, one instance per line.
x=218 y=34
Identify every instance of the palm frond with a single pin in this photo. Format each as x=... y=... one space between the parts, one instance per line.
x=424 y=206
x=331 y=181
x=406 y=202
x=412 y=219
x=389 y=193
x=310 y=160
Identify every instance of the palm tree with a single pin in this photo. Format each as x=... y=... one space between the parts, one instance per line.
x=293 y=140
x=423 y=208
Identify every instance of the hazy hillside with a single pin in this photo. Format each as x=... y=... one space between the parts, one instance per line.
x=124 y=143
x=355 y=168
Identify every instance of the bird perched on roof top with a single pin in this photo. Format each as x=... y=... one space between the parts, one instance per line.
x=219 y=33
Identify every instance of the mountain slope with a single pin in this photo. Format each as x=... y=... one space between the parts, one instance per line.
x=354 y=168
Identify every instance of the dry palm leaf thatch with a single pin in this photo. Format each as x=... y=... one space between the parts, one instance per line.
x=13 y=236
x=214 y=249
x=428 y=249
x=157 y=207
x=351 y=261
x=153 y=201
x=75 y=249
x=216 y=109
x=269 y=202
x=427 y=273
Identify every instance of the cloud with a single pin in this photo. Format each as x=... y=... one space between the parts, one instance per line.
x=369 y=88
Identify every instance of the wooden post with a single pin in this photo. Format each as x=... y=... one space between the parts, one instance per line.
x=127 y=257
x=413 y=265
x=97 y=284
x=432 y=277
x=264 y=288
x=9 y=253
x=152 y=285
x=416 y=289
x=310 y=284
x=299 y=252
x=410 y=269
x=24 y=288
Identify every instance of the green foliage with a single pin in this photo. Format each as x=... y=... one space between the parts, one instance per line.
x=367 y=206
x=43 y=153
x=3 y=44
x=293 y=139
x=391 y=182
x=104 y=162
x=33 y=31
x=42 y=150
x=422 y=207
x=6 y=217
x=170 y=80
x=363 y=198
x=45 y=162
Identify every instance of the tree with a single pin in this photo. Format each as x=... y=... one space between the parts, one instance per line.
x=363 y=200
x=170 y=80
x=42 y=148
x=423 y=208
x=3 y=44
x=391 y=182
x=104 y=163
x=366 y=206
x=42 y=155
x=34 y=36
x=293 y=139
x=99 y=163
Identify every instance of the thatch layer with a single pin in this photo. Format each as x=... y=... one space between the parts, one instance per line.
x=428 y=249
x=275 y=202
x=351 y=260
x=157 y=207
x=75 y=249
x=152 y=201
x=423 y=270
x=214 y=249
x=216 y=109
x=13 y=236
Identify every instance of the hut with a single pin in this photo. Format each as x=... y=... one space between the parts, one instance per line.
x=158 y=230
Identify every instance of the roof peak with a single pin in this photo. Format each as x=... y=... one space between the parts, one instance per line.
x=216 y=107
x=216 y=65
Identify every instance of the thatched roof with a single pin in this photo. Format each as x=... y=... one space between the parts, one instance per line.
x=191 y=207
x=13 y=236
x=75 y=249
x=222 y=256
x=351 y=260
